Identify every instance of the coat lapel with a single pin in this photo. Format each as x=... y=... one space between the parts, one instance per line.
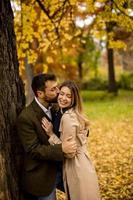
x=39 y=112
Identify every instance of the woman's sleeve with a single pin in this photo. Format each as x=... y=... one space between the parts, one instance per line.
x=68 y=129
x=54 y=140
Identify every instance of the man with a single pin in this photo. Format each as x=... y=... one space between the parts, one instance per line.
x=39 y=174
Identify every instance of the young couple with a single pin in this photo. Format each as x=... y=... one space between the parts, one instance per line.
x=55 y=136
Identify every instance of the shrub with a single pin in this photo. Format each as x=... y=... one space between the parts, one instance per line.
x=95 y=84
x=126 y=81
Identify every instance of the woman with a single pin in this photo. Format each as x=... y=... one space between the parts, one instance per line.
x=79 y=176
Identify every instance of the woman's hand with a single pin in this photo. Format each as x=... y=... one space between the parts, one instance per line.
x=47 y=126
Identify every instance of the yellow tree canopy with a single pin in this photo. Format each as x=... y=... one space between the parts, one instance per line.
x=51 y=26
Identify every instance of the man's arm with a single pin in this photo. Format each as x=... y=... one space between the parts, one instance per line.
x=69 y=146
x=32 y=145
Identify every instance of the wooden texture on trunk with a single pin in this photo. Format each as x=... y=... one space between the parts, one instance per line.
x=111 y=72
x=29 y=76
x=110 y=55
x=80 y=70
x=11 y=103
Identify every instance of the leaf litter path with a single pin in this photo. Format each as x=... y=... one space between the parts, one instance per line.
x=111 y=148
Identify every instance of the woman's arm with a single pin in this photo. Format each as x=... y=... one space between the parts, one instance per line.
x=32 y=145
x=68 y=129
x=48 y=127
x=69 y=145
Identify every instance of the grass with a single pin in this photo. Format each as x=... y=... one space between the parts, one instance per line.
x=111 y=142
x=99 y=104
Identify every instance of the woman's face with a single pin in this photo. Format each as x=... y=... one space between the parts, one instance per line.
x=64 y=97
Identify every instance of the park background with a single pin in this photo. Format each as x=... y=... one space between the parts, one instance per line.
x=90 y=42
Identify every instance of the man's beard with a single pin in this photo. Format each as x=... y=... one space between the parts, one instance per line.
x=54 y=100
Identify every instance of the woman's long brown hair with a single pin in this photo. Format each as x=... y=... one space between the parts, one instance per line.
x=76 y=101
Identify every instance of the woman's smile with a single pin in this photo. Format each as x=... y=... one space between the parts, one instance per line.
x=65 y=97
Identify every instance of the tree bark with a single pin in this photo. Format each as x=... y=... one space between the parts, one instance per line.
x=110 y=55
x=29 y=76
x=80 y=70
x=111 y=73
x=11 y=103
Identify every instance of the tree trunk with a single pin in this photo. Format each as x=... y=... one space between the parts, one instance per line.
x=111 y=73
x=11 y=103
x=110 y=55
x=80 y=70
x=29 y=76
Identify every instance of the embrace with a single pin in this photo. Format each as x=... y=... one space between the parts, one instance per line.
x=54 y=138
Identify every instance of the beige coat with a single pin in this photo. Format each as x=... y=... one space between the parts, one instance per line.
x=80 y=178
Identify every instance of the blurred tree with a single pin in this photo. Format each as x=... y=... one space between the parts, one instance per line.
x=88 y=56
x=11 y=103
x=110 y=16
x=47 y=26
x=107 y=18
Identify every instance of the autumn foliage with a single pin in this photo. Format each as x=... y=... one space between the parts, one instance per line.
x=48 y=32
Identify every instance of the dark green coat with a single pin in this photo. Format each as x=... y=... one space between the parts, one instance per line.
x=39 y=170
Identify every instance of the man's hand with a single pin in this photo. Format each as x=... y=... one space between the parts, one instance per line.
x=69 y=147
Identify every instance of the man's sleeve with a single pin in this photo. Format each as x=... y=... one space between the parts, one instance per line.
x=32 y=145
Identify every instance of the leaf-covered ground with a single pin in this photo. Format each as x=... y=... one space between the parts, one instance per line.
x=111 y=146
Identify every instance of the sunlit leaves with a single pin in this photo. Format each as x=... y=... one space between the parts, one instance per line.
x=49 y=59
x=53 y=26
x=117 y=44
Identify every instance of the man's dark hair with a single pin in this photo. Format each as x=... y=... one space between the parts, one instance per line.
x=38 y=82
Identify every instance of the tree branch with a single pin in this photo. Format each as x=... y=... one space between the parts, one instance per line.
x=43 y=8
x=122 y=10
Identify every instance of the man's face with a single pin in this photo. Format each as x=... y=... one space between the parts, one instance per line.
x=51 y=91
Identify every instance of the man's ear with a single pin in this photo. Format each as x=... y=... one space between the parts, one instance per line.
x=40 y=93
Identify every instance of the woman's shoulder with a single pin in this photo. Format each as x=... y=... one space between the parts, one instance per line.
x=70 y=115
x=70 y=112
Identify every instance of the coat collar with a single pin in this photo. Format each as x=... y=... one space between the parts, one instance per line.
x=38 y=110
